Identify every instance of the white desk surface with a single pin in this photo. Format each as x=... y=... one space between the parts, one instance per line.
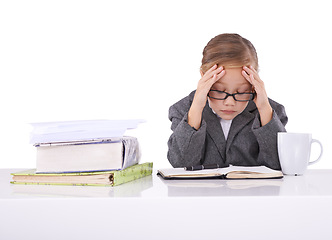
x=295 y=207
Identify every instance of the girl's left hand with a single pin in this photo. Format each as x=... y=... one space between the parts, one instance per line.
x=261 y=100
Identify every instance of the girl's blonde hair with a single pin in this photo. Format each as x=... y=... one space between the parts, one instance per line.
x=229 y=50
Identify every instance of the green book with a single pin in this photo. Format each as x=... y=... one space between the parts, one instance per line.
x=106 y=178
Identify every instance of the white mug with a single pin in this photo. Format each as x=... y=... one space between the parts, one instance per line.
x=294 y=152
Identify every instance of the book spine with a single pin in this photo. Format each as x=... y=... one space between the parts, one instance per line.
x=131 y=152
x=132 y=173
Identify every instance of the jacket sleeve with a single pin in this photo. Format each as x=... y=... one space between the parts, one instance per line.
x=186 y=144
x=267 y=136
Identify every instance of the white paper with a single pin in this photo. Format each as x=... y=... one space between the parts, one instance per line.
x=80 y=130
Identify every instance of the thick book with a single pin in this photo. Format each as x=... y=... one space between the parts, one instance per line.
x=107 y=178
x=231 y=172
x=87 y=156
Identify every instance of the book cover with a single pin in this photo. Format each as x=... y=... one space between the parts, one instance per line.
x=105 y=178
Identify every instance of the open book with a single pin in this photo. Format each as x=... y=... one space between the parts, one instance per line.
x=231 y=172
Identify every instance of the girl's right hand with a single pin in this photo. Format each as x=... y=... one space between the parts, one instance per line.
x=204 y=85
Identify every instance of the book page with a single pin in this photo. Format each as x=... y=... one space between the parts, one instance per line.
x=257 y=169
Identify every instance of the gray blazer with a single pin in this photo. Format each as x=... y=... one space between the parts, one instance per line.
x=248 y=144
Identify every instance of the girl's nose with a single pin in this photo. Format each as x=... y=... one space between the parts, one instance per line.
x=229 y=101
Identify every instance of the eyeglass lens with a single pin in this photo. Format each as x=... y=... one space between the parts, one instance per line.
x=237 y=96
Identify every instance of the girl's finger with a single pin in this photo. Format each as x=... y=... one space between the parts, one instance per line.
x=221 y=74
x=248 y=70
x=253 y=69
x=215 y=78
x=255 y=73
x=254 y=78
x=214 y=70
x=246 y=76
x=210 y=70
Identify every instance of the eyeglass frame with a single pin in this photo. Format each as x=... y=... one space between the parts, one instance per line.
x=253 y=94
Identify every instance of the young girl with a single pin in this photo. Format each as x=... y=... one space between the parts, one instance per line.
x=229 y=119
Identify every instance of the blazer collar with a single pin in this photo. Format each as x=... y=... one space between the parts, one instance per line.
x=240 y=121
x=215 y=131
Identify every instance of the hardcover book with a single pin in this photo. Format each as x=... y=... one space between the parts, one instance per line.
x=87 y=156
x=106 y=178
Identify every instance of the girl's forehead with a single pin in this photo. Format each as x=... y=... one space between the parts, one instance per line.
x=233 y=82
x=232 y=79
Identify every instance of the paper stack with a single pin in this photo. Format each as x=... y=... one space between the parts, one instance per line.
x=51 y=132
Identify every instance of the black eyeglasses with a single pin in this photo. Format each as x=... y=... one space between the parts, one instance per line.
x=240 y=97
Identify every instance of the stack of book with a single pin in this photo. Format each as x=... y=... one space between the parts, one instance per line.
x=84 y=153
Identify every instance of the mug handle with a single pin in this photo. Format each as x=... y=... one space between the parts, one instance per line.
x=321 y=151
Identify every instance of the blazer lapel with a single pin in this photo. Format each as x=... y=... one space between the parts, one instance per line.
x=239 y=122
x=215 y=131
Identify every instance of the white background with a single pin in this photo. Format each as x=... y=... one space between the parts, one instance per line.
x=75 y=60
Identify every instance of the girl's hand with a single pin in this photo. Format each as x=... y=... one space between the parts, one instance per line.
x=204 y=85
x=261 y=100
